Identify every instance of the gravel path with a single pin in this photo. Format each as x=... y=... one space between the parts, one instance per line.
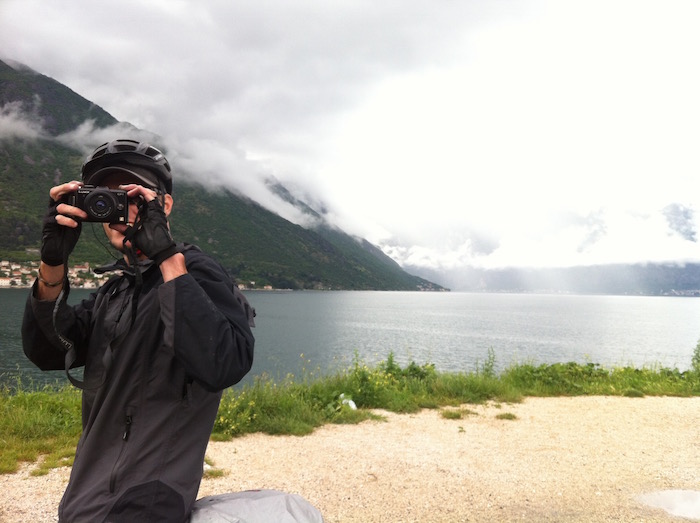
x=586 y=459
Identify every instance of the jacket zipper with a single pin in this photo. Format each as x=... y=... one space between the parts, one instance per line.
x=187 y=392
x=125 y=437
x=127 y=427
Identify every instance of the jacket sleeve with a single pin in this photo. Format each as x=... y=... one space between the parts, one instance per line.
x=39 y=339
x=206 y=326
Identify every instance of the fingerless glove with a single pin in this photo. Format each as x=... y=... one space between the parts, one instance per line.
x=57 y=241
x=152 y=234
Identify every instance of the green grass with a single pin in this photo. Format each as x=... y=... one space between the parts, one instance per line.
x=450 y=413
x=39 y=423
x=46 y=423
x=573 y=379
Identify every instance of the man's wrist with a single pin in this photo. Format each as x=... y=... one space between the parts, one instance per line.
x=173 y=266
x=51 y=279
x=56 y=283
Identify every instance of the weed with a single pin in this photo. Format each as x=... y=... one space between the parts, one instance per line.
x=695 y=362
x=451 y=414
x=211 y=471
x=457 y=413
x=488 y=369
x=633 y=393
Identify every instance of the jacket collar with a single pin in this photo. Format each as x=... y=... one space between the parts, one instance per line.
x=122 y=265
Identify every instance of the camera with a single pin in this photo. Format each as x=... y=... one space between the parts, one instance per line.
x=101 y=204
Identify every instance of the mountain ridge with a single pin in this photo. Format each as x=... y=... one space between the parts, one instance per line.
x=254 y=244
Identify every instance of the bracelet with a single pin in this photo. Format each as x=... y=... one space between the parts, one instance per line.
x=49 y=284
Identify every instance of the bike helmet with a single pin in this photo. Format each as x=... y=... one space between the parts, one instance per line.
x=138 y=159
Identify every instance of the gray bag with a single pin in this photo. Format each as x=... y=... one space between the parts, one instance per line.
x=254 y=506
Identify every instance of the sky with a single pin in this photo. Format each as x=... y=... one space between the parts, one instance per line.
x=485 y=133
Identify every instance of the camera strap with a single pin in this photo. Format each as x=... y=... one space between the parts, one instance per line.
x=129 y=234
x=69 y=347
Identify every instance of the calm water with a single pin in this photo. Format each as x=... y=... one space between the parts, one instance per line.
x=452 y=330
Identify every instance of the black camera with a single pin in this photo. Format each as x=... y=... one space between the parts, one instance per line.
x=101 y=204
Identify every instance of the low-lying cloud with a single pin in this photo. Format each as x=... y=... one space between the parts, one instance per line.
x=208 y=166
x=16 y=123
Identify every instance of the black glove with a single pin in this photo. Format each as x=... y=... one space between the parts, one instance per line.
x=57 y=241
x=152 y=235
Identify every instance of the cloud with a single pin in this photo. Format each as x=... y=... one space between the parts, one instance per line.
x=86 y=137
x=481 y=133
x=15 y=122
x=681 y=220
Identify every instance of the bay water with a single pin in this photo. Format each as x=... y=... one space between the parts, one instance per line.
x=306 y=333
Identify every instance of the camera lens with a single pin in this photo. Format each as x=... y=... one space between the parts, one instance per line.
x=99 y=204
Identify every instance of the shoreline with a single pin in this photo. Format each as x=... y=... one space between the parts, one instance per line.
x=565 y=459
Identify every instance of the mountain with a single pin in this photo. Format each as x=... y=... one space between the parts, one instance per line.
x=254 y=244
x=650 y=279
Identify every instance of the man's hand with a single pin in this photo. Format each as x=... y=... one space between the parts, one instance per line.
x=60 y=232
x=61 y=226
x=151 y=233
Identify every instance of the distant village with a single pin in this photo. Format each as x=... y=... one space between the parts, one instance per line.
x=23 y=274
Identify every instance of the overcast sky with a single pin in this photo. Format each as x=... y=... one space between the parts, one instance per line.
x=451 y=133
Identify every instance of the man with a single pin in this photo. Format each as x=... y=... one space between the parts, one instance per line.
x=158 y=343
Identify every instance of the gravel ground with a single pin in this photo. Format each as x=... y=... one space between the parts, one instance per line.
x=586 y=459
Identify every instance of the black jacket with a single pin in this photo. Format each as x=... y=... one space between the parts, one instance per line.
x=147 y=425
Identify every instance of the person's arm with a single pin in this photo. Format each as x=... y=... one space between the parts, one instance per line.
x=40 y=325
x=206 y=326
x=60 y=232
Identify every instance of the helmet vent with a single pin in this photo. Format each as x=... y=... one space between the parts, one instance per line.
x=124 y=147
x=152 y=152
